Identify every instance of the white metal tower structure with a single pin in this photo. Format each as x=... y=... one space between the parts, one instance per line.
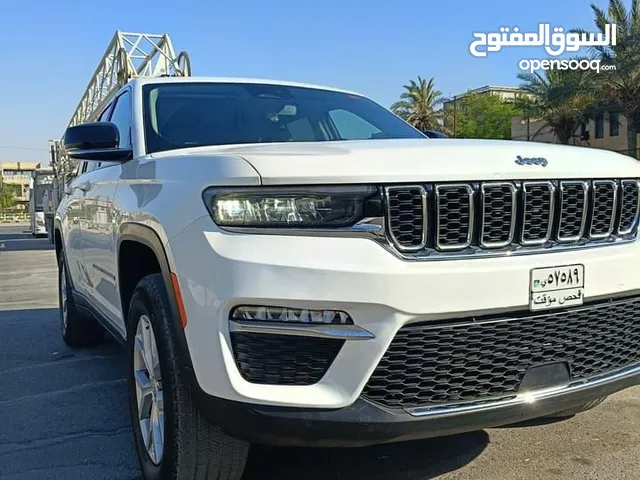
x=128 y=55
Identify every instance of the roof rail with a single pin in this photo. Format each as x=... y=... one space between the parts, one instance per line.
x=129 y=55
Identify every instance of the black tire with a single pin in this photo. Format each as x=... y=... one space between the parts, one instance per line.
x=193 y=448
x=78 y=330
x=579 y=409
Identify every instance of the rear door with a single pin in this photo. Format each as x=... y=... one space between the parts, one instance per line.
x=72 y=229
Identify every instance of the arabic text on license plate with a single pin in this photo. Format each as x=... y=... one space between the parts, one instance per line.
x=556 y=287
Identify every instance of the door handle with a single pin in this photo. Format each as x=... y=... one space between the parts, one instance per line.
x=85 y=186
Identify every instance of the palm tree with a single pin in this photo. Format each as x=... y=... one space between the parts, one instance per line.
x=622 y=85
x=417 y=105
x=561 y=99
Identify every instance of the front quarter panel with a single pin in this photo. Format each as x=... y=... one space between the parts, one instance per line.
x=165 y=193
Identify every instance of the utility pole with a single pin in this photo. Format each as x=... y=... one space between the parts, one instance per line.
x=455 y=111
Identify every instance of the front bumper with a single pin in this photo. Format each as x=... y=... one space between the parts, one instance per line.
x=364 y=423
x=218 y=271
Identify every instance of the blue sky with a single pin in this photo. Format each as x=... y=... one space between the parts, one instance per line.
x=50 y=48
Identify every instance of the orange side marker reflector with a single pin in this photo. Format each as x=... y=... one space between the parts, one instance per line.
x=179 y=302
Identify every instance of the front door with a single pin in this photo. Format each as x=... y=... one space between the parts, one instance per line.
x=99 y=240
x=100 y=237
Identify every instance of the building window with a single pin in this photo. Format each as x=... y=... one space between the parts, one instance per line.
x=599 y=125
x=11 y=174
x=614 y=124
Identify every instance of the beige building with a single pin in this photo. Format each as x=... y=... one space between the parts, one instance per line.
x=453 y=103
x=505 y=93
x=607 y=130
x=15 y=177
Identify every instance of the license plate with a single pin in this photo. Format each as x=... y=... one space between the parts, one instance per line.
x=556 y=287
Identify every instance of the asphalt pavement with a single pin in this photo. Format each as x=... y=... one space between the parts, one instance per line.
x=63 y=412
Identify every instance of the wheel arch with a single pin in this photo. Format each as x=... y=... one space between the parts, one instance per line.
x=149 y=238
x=58 y=242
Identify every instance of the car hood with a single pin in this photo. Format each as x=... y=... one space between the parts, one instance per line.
x=393 y=161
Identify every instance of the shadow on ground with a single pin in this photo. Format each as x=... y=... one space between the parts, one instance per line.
x=417 y=460
x=64 y=414
x=19 y=240
x=63 y=411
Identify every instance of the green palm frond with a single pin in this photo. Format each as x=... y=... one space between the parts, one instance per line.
x=601 y=18
x=418 y=104
x=619 y=15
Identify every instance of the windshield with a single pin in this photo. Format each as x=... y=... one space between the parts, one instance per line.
x=183 y=115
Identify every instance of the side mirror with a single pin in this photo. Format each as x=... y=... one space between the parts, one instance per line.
x=95 y=141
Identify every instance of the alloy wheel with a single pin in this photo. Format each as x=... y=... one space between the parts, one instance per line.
x=148 y=381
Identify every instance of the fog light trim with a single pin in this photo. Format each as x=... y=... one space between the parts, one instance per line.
x=256 y=313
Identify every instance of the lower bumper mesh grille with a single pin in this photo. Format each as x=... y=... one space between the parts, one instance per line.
x=283 y=359
x=430 y=364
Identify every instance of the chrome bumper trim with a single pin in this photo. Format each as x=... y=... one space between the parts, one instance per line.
x=333 y=331
x=530 y=397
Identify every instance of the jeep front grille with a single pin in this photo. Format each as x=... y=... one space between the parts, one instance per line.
x=477 y=359
x=512 y=216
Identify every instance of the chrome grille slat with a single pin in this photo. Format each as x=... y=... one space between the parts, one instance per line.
x=440 y=221
x=454 y=202
x=498 y=214
x=604 y=201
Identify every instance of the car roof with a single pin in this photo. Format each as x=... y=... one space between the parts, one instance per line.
x=160 y=80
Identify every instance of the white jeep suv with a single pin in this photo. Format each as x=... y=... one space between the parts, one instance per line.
x=295 y=265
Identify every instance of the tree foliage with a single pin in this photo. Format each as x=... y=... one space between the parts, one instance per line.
x=622 y=85
x=7 y=198
x=561 y=99
x=484 y=116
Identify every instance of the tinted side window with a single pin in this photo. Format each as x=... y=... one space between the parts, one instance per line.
x=103 y=116
x=121 y=116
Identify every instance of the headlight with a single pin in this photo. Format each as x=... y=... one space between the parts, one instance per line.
x=294 y=207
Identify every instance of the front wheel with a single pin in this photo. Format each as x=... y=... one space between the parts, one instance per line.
x=173 y=440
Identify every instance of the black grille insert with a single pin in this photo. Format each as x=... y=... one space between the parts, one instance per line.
x=406 y=208
x=455 y=204
x=573 y=196
x=498 y=214
x=603 y=208
x=440 y=364
x=538 y=208
x=283 y=359
x=628 y=206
